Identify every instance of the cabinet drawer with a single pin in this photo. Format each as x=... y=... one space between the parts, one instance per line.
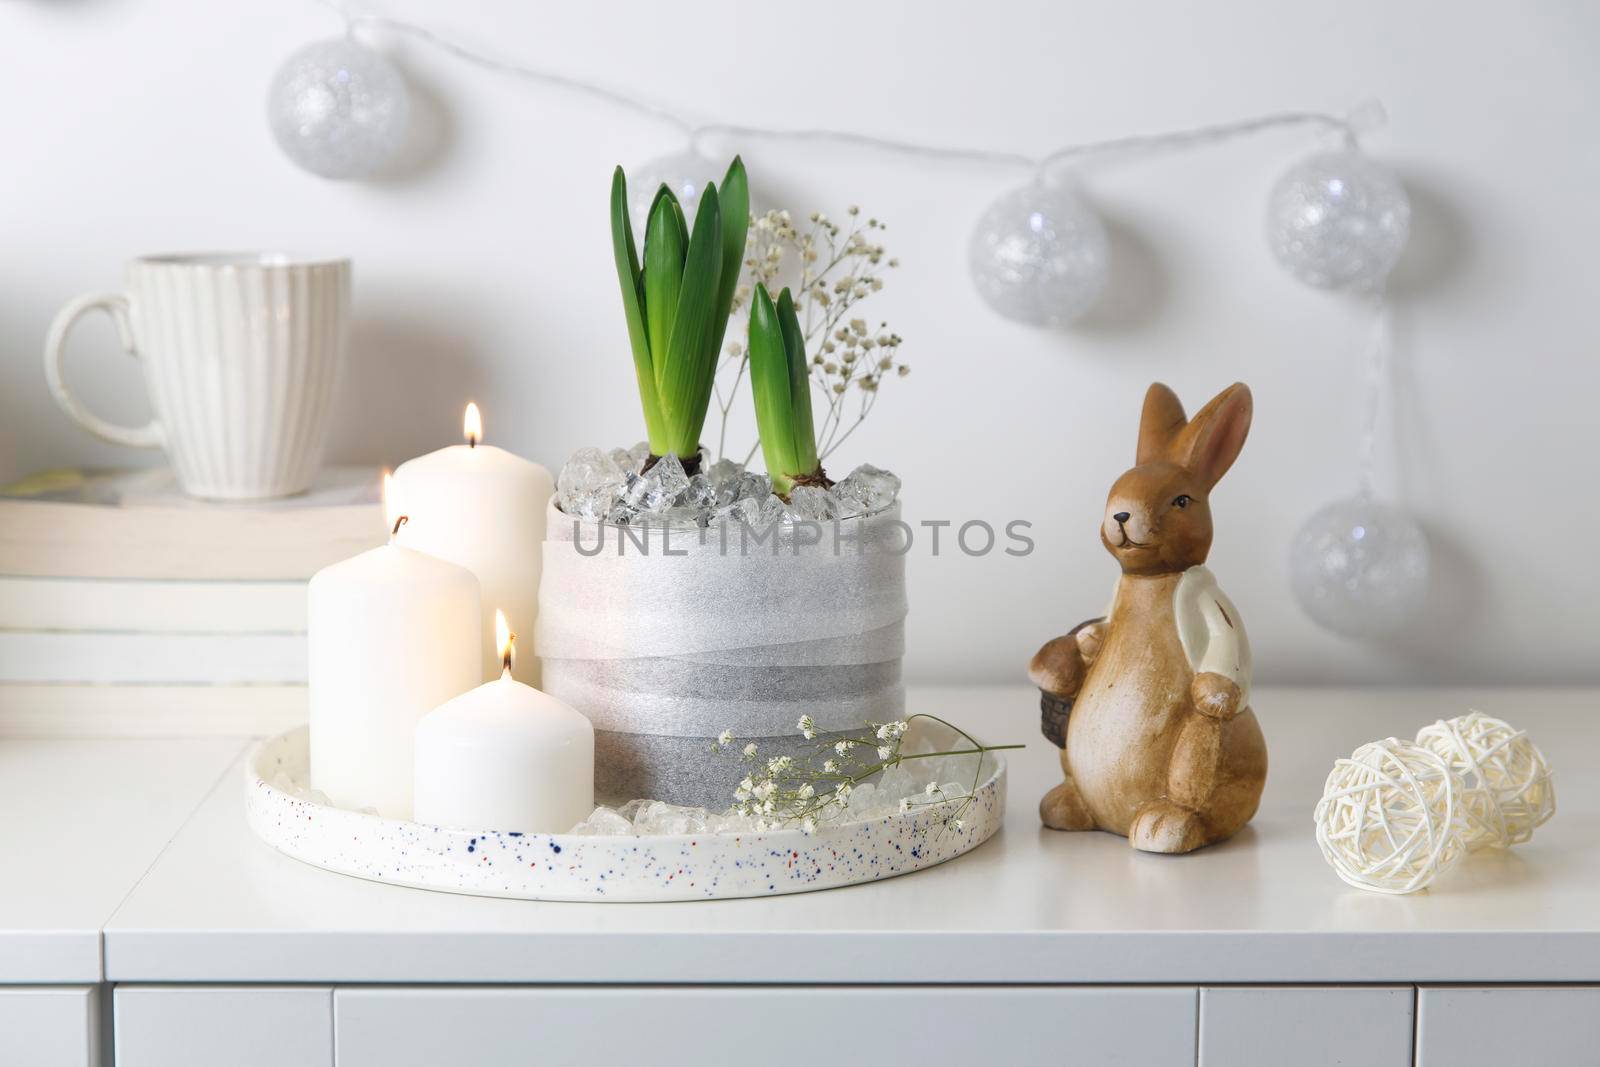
x=50 y=1026
x=775 y=1026
x=241 y=1026
x=1491 y=1026
x=1309 y=1026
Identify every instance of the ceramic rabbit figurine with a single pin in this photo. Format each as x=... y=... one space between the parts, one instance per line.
x=1160 y=744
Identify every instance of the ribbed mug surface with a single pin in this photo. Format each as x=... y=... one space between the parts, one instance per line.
x=241 y=356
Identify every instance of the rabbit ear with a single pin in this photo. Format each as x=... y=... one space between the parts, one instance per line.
x=1160 y=424
x=1211 y=441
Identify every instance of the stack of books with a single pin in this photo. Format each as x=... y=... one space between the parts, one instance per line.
x=127 y=608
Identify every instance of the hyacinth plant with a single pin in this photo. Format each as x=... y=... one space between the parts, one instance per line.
x=677 y=297
x=835 y=267
x=780 y=380
x=783 y=791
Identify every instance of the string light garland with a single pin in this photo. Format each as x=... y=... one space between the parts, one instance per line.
x=1038 y=254
x=1361 y=567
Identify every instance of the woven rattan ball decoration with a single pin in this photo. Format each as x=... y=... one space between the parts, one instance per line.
x=1508 y=792
x=1390 y=817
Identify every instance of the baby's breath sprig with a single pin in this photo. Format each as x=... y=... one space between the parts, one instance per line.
x=817 y=787
x=839 y=266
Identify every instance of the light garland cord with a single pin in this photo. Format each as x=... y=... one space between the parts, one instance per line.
x=1359 y=121
x=1378 y=371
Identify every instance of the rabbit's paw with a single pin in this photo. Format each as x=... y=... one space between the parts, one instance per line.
x=1063 y=809
x=1216 y=696
x=1057 y=668
x=1162 y=826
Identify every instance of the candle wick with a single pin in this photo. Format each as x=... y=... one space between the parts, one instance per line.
x=472 y=440
x=401 y=521
x=505 y=657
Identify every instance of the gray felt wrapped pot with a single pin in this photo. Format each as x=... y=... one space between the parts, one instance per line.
x=666 y=637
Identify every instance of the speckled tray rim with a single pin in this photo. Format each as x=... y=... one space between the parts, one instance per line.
x=604 y=868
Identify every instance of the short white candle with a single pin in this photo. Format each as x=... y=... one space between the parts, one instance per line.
x=483 y=508
x=391 y=634
x=505 y=757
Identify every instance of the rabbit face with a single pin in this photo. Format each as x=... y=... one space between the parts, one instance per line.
x=1158 y=515
x=1157 y=519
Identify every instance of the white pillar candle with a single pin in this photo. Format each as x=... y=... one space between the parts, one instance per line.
x=505 y=757
x=391 y=634
x=483 y=508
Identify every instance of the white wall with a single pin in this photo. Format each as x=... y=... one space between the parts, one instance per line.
x=129 y=127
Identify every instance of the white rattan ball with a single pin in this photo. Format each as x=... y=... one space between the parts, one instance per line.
x=1508 y=791
x=1390 y=817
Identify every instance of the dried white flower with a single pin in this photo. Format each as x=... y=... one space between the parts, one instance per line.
x=810 y=789
x=808 y=728
x=725 y=738
x=749 y=750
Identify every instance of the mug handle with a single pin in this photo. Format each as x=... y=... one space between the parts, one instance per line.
x=116 y=305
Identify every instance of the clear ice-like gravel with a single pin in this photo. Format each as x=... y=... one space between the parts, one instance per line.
x=951 y=777
x=613 y=486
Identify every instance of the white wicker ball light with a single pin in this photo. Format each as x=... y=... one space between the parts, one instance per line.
x=1507 y=790
x=1040 y=255
x=339 y=109
x=1390 y=817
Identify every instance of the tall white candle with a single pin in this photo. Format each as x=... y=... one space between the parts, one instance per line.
x=505 y=757
x=391 y=634
x=483 y=508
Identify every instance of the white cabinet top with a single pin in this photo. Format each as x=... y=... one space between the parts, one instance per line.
x=80 y=822
x=1030 y=906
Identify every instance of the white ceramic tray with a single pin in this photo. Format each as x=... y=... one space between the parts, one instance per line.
x=618 y=868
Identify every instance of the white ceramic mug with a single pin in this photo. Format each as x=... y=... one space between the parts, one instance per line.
x=241 y=354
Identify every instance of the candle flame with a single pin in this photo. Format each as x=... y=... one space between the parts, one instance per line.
x=472 y=426
x=504 y=639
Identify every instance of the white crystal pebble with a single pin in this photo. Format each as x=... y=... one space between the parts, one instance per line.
x=865 y=490
x=589 y=483
x=812 y=503
x=604 y=822
x=658 y=488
